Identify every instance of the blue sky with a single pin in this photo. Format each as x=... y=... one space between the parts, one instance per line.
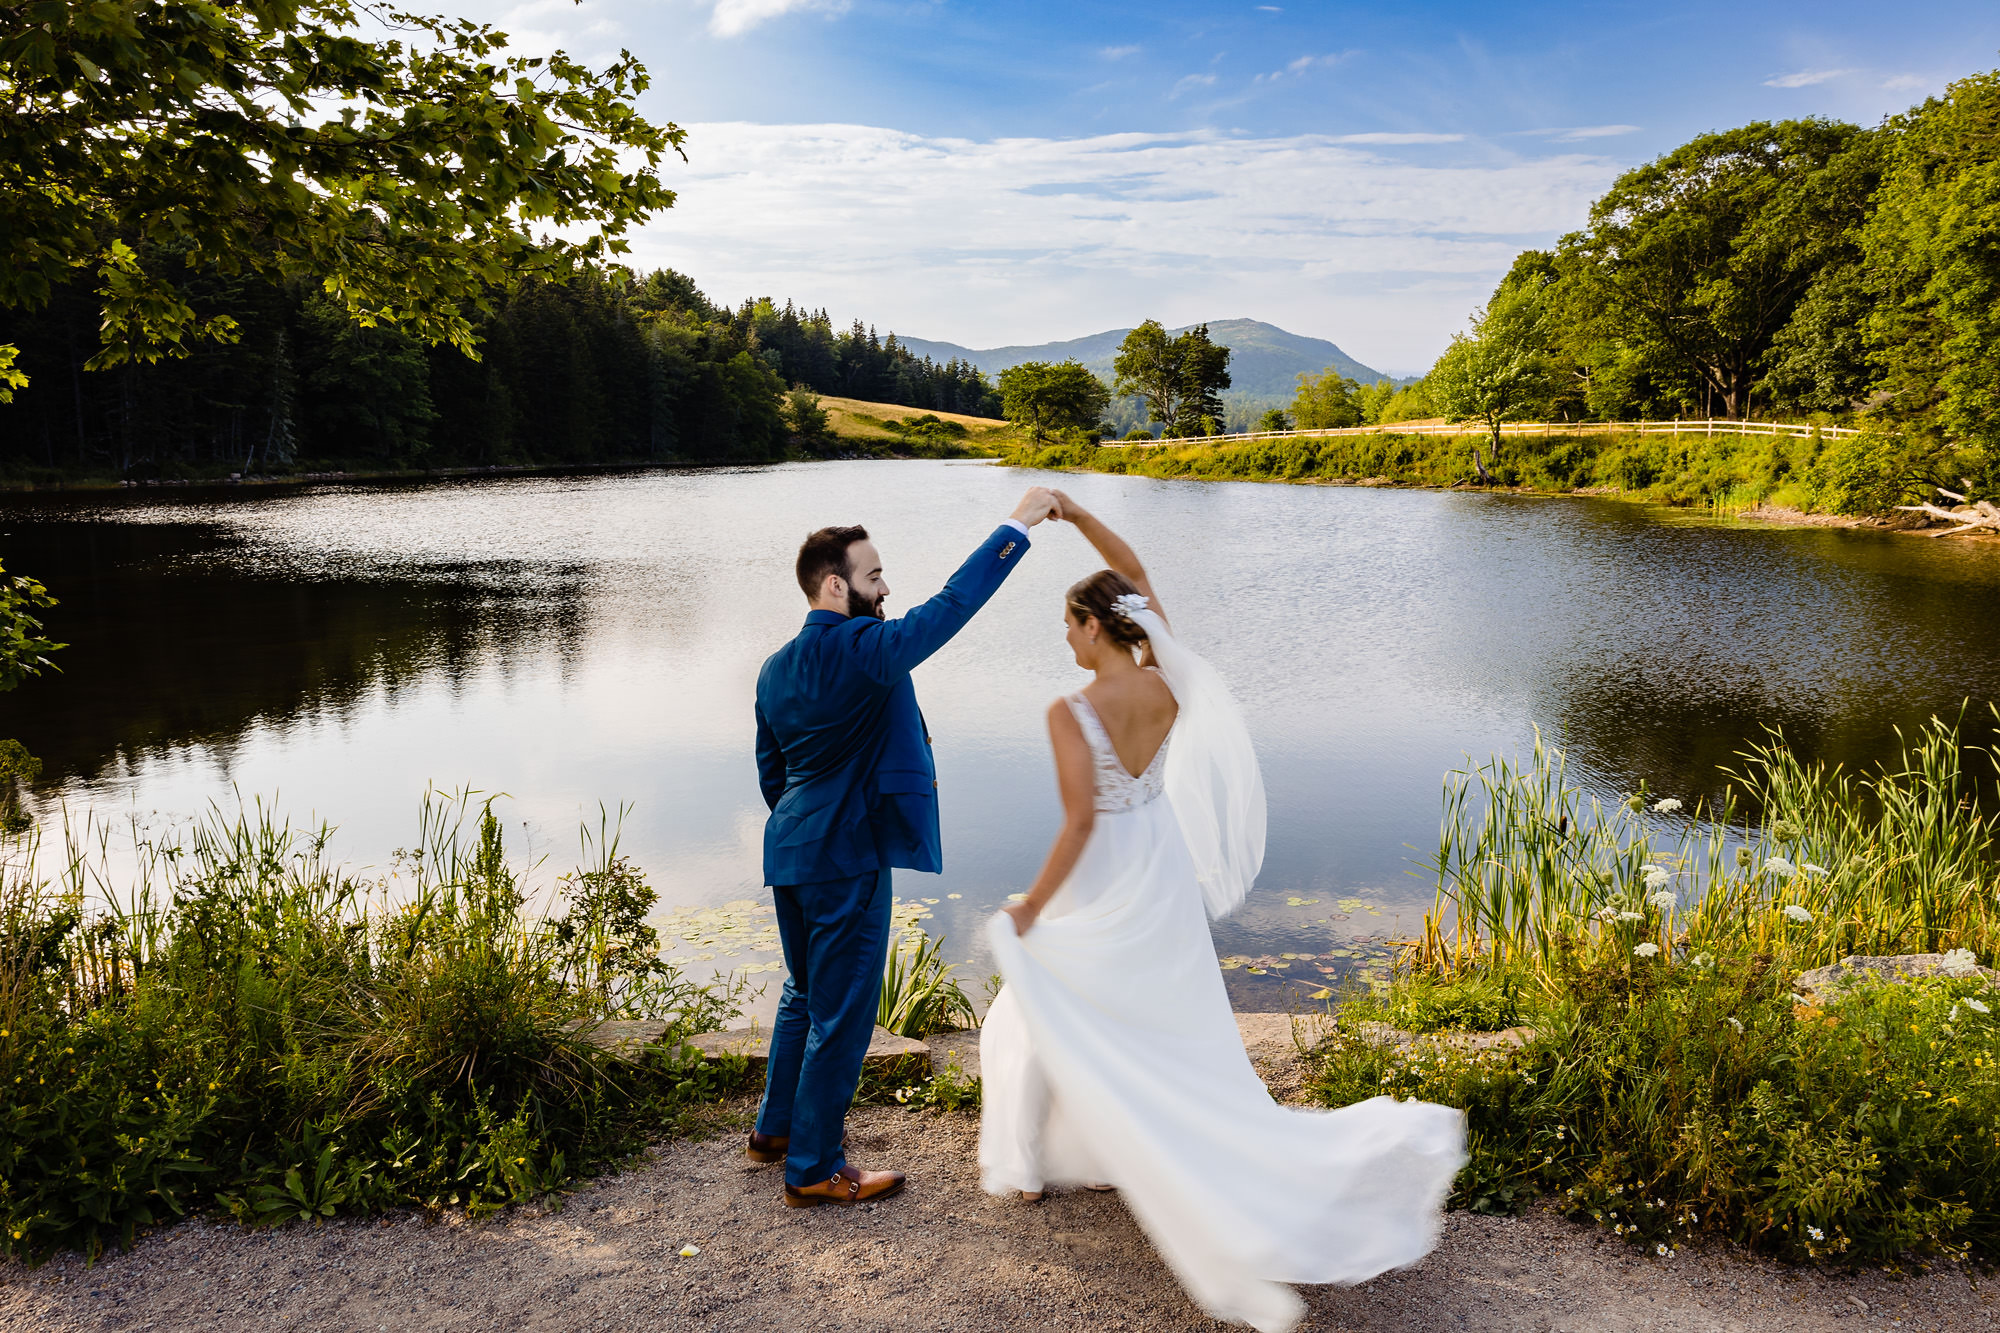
x=993 y=173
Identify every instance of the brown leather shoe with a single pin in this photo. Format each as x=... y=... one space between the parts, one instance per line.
x=773 y=1147
x=851 y=1185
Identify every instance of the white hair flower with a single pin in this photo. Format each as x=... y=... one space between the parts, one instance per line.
x=1666 y=806
x=1646 y=950
x=1794 y=912
x=1129 y=604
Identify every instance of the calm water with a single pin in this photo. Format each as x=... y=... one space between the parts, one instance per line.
x=576 y=641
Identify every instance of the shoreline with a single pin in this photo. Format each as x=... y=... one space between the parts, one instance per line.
x=1774 y=515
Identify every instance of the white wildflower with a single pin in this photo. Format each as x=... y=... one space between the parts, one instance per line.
x=1794 y=912
x=1736 y=1023
x=690 y=1251
x=1660 y=1250
x=1958 y=963
x=1778 y=865
x=1666 y=806
x=1656 y=878
x=1977 y=1006
x=1703 y=961
x=1646 y=950
x=1664 y=900
x=1631 y=916
x=1815 y=1233
x=1605 y=914
x=1809 y=868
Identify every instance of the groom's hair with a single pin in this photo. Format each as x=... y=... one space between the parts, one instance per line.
x=825 y=552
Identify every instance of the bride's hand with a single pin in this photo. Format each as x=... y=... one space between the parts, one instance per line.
x=1066 y=508
x=1024 y=917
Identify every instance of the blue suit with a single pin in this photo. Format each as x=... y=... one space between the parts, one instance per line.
x=844 y=760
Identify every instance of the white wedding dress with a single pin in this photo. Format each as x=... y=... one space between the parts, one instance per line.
x=1111 y=1054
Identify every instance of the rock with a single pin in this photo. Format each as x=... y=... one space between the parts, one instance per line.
x=624 y=1036
x=1507 y=1039
x=962 y=1043
x=754 y=1045
x=1823 y=984
x=1268 y=1038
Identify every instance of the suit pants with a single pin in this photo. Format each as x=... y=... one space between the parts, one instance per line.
x=835 y=934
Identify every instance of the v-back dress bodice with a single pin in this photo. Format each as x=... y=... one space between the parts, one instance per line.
x=1117 y=790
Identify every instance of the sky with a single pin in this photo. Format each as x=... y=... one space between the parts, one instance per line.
x=994 y=173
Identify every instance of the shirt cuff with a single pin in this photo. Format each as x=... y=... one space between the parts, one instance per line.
x=1015 y=524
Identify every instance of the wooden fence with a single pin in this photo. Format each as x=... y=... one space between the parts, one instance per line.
x=1708 y=428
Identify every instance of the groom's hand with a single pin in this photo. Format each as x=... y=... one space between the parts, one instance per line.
x=1038 y=504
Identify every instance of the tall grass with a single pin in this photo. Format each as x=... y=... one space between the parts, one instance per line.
x=1532 y=871
x=244 y=1025
x=1674 y=1084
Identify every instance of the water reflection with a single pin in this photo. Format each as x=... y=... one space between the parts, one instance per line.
x=576 y=641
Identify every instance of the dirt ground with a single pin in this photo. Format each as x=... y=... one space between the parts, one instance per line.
x=943 y=1256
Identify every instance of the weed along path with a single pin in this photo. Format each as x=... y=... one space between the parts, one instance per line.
x=944 y=1256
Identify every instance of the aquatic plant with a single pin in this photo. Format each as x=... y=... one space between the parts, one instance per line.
x=919 y=994
x=1532 y=871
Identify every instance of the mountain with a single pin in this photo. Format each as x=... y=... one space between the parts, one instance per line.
x=1265 y=362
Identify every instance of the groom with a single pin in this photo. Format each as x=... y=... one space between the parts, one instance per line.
x=844 y=759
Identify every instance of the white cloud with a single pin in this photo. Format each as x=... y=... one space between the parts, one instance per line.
x=1192 y=82
x=1388 y=137
x=734 y=17
x=1303 y=64
x=1805 y=78
x=986 y=242
x=1118 y=52
x=1579 y=133
x=1905 y=83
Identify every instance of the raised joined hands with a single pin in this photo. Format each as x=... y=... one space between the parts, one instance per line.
x=1039 y=503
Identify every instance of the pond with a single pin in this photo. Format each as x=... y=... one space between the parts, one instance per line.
x=577 y=641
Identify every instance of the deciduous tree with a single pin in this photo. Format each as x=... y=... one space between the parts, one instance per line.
x=1497 y=373
x=409 y=176
x=1048 y=397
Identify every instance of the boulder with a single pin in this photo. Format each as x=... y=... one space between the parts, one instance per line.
x=754 y=1045
x=1823 y=984
x=1507 y=1039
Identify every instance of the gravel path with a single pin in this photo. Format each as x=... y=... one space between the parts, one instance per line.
x=943 y=1256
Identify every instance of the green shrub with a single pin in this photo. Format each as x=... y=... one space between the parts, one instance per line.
x=261 y=1036
x=1667 y=1100
x=1466 y=1004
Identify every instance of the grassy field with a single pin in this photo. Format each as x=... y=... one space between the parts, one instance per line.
x=861 y=421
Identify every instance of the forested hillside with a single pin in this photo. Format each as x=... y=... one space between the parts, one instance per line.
x=590 y=371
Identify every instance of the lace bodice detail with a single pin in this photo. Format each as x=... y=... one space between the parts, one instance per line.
x=1117 y=789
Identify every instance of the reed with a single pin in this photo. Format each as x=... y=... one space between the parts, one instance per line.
x=1533 y=872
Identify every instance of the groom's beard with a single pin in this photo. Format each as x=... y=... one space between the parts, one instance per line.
x=858 y=605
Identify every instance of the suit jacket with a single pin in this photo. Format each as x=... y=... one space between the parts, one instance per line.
x=843 y=755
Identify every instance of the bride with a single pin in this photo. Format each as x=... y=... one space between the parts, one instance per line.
x=1111 y=1056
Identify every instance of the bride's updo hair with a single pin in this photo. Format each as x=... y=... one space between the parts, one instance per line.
x=1093 y=597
